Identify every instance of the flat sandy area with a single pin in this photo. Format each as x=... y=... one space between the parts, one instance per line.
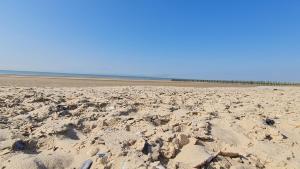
x=35 y=81
x=57 y=124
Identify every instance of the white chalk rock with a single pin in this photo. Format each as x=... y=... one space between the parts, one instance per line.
x=139 y=144
x=192 y=156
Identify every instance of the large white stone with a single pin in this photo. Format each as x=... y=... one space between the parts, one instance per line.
x=192 y=156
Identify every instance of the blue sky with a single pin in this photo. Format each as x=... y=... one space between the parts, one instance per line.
x=212 y=39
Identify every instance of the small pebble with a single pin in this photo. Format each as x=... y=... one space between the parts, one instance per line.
x=86 y=164
x=270 y=122
x=19 y=145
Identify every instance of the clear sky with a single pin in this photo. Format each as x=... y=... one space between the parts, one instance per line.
x=205 y=39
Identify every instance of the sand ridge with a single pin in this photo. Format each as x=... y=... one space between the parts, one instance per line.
x=149 y=127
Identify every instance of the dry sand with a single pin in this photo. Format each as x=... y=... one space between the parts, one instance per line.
x=147 y=126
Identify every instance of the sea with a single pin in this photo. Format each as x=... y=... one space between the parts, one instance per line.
x=78 y=75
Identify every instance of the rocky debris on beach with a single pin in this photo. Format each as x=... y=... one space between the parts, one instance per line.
x=148 y=127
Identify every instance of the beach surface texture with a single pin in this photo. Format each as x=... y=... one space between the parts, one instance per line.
x=151 y=127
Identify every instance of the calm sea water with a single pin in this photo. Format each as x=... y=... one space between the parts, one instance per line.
x=52 y=74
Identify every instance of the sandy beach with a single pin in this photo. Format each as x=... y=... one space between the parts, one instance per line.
x=43 y=81
x=59 y=123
